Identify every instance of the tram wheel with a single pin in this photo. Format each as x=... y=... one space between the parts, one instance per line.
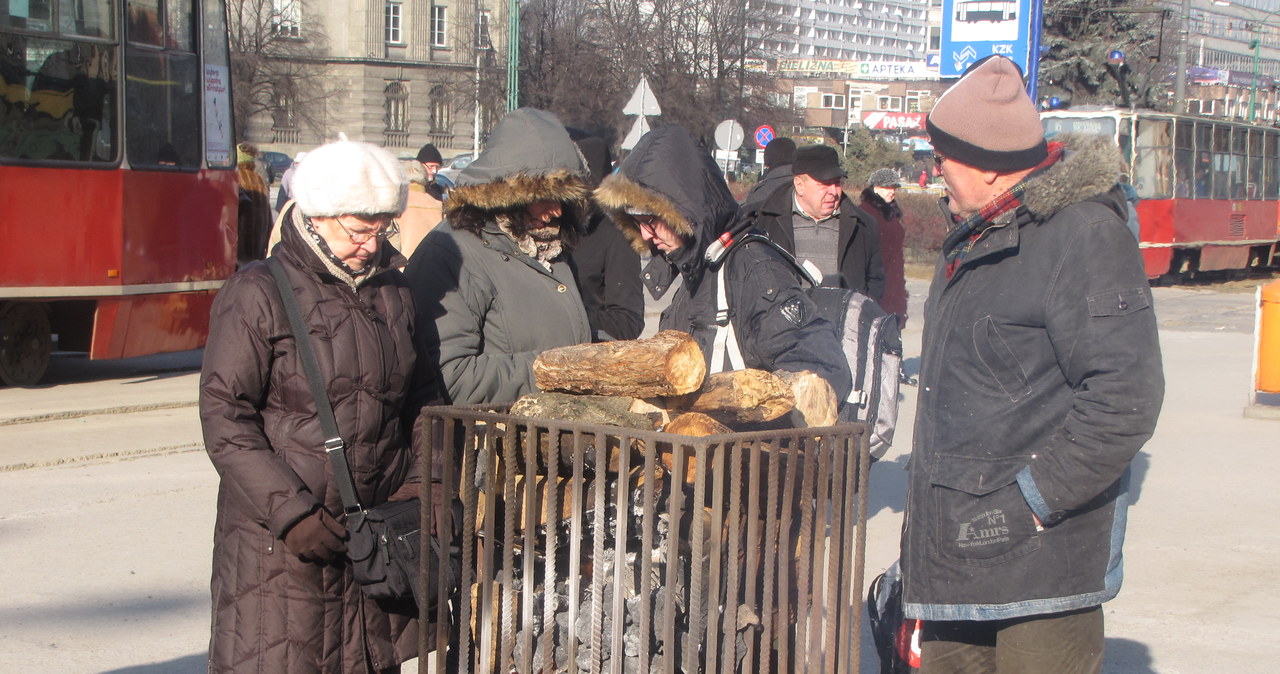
x=26 y=342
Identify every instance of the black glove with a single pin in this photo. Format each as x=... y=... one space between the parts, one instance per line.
x=316 y=538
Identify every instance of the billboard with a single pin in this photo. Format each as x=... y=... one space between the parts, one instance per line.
x=976 y=29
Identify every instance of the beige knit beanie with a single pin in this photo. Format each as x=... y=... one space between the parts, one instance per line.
x=986 y=120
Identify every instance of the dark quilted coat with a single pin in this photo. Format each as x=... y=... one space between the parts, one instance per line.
x=273 y=612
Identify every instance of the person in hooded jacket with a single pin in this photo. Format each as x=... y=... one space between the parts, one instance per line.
x=1040 y=380
x=607 y=268
x=284 y=598
x=491 y=283
x=778 y=155
x=669 y=196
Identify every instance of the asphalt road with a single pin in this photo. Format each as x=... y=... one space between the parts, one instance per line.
x=107 y=500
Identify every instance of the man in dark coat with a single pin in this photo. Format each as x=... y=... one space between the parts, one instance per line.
x=491 y=283
x=669 y=196
x=607 y=268
x=813 y=219
x=431 y=160
x=778 y=155
x=1040 y=380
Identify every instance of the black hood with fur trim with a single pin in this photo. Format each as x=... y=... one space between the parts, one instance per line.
x=529 y=158
x=670 y=175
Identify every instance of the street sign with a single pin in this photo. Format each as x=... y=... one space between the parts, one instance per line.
x=976 y=29
x=642 y=102
x=729 y=135
x=638 y=130
x=763 y=134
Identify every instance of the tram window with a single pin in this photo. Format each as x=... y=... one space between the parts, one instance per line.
x=1223 y=164
x=57 y=100
x=1271 y=155
x=89 y=18
x=31 y=15
x=146 y=24
x=1254 y=187
x=1184 y=160
x=1153 y=163
x=162 y=103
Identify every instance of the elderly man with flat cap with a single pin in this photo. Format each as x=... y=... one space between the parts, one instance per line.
x=1040 y=380
x=814 y=220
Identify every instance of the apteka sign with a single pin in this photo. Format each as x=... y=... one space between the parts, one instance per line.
x=871 y=70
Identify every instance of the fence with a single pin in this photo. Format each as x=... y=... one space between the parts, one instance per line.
x=590 y=548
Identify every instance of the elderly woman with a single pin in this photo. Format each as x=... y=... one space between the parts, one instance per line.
x=879 y=199
x=492 y=284
x=283 y=594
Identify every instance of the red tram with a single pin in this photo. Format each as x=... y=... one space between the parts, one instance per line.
x=1209 y=189
x=117 y=177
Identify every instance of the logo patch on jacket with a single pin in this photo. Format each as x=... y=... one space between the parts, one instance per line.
x=794 y=311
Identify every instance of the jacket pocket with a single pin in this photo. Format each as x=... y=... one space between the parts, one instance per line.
x=980 y=516
x=1118 y=302
x=999 y=359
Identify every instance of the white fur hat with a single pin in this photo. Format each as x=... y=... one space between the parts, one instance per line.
x=350 y=178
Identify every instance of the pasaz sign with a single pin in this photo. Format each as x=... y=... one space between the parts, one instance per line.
x=893 y=121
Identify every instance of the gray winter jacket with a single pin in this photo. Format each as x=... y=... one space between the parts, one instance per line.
x=485 y=308
x=1040 y=380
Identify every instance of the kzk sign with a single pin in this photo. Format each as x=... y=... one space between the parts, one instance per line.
x=893 y=121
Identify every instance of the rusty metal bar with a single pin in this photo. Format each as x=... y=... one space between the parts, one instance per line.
x=722 y=554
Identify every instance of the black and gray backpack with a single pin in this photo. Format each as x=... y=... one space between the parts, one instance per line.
x=869 y=336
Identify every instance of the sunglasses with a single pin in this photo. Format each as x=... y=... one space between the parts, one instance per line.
x=938 y=159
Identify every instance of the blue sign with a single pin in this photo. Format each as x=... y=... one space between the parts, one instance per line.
x=933 y=60
x=975 y=29
x=764 y=134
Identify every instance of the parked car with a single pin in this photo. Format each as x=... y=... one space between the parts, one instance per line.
x=277 y=163
x=454 y=166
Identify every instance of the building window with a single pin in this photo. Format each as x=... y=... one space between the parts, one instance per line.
x=437 y=26
x=833 y=101
x=439 y=110
x=284 y=116
x=286 y=18
x=889 y=103
x=397 y=107
x=483 y=40
x=393 y=24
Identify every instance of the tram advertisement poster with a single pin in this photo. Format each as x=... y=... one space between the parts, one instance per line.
x=217 y=114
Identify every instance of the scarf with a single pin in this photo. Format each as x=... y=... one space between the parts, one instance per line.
x=961 y=239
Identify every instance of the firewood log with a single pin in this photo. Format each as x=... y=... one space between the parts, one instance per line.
x=816 y=403
x=694 y=424
x=669 y=363
x=743 y=396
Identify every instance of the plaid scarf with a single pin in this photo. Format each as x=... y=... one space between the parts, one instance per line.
x=961 y=239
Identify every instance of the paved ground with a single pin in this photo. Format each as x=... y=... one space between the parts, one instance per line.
x=106 y=507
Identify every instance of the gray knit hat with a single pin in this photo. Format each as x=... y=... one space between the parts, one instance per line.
x=885 y=177
x=987 y=120
x=350 y=178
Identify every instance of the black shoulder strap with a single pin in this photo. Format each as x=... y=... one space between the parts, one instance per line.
x=333 y=444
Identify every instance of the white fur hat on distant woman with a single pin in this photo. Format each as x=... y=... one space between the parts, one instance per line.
x=350 y=178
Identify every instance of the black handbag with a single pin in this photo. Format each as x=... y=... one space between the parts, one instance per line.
x=385 y=543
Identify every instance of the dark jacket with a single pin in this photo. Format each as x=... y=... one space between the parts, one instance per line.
x=608 y=274
x=888 y=224
x=1040 y=380
x=485 y=308
x=273 y=612
x=858 y=244
x=776 y=323
x=772 y=180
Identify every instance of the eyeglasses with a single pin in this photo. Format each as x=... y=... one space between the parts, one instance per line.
x=938 y=159
x=649 y=222
x=361 y=238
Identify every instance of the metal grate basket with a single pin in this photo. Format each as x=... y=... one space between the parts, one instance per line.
x=589 y=548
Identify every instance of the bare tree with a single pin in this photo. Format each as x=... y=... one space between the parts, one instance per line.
x=276 y=65
x=582 y=58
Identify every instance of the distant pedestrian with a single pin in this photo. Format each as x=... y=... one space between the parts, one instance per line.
x=879 y=199
x=604 y=263
x=1040 y=380
x=431 y=160
x=778 y=155
x=285 y=191
x=924 y=178
x=254 y=214
x=284 y=598
x=422 y=213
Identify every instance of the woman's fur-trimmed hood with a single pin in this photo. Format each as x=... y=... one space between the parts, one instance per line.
x=1089 y=168
x=529 y=158
x=669 y=175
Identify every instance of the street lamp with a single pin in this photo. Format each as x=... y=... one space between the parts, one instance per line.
x=1255 y=44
